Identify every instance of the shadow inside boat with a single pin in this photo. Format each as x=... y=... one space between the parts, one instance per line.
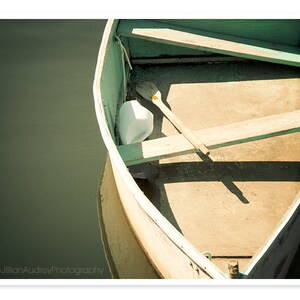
x=248 y=70
x=155 y=176
x=235 y=171
x=230 y=172
x=148 y=179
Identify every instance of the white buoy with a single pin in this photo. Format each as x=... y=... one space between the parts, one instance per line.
x=135 y=122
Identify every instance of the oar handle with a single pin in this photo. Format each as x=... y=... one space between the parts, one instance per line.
x=193 y=139
x=189 y=135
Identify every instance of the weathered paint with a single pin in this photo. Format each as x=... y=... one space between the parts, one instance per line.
x=286 y=32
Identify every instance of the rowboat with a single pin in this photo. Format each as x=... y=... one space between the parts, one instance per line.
x=211 y=189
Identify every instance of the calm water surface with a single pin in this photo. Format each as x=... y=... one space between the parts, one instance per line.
x=51 y=154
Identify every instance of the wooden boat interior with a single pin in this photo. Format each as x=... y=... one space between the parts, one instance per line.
x=241 y=97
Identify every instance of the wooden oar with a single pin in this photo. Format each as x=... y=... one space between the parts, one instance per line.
x=150 y=92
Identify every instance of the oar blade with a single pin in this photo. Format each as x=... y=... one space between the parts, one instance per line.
x=147 y=90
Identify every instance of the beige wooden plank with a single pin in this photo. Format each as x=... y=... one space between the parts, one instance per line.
x=216 y=137
x=208 y=41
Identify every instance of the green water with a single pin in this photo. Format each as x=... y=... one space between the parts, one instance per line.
x=51 y=154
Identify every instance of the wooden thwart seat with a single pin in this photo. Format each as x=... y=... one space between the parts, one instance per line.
x=213 y=138
x=207 y=41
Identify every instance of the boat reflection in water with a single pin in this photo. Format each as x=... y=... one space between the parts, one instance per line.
x=125 y=256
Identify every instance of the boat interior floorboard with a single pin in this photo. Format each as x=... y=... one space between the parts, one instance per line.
x=230 y=202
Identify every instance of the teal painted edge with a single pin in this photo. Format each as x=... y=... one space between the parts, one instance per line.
x=256 y=138
x=111 y=81
x=286 y=54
